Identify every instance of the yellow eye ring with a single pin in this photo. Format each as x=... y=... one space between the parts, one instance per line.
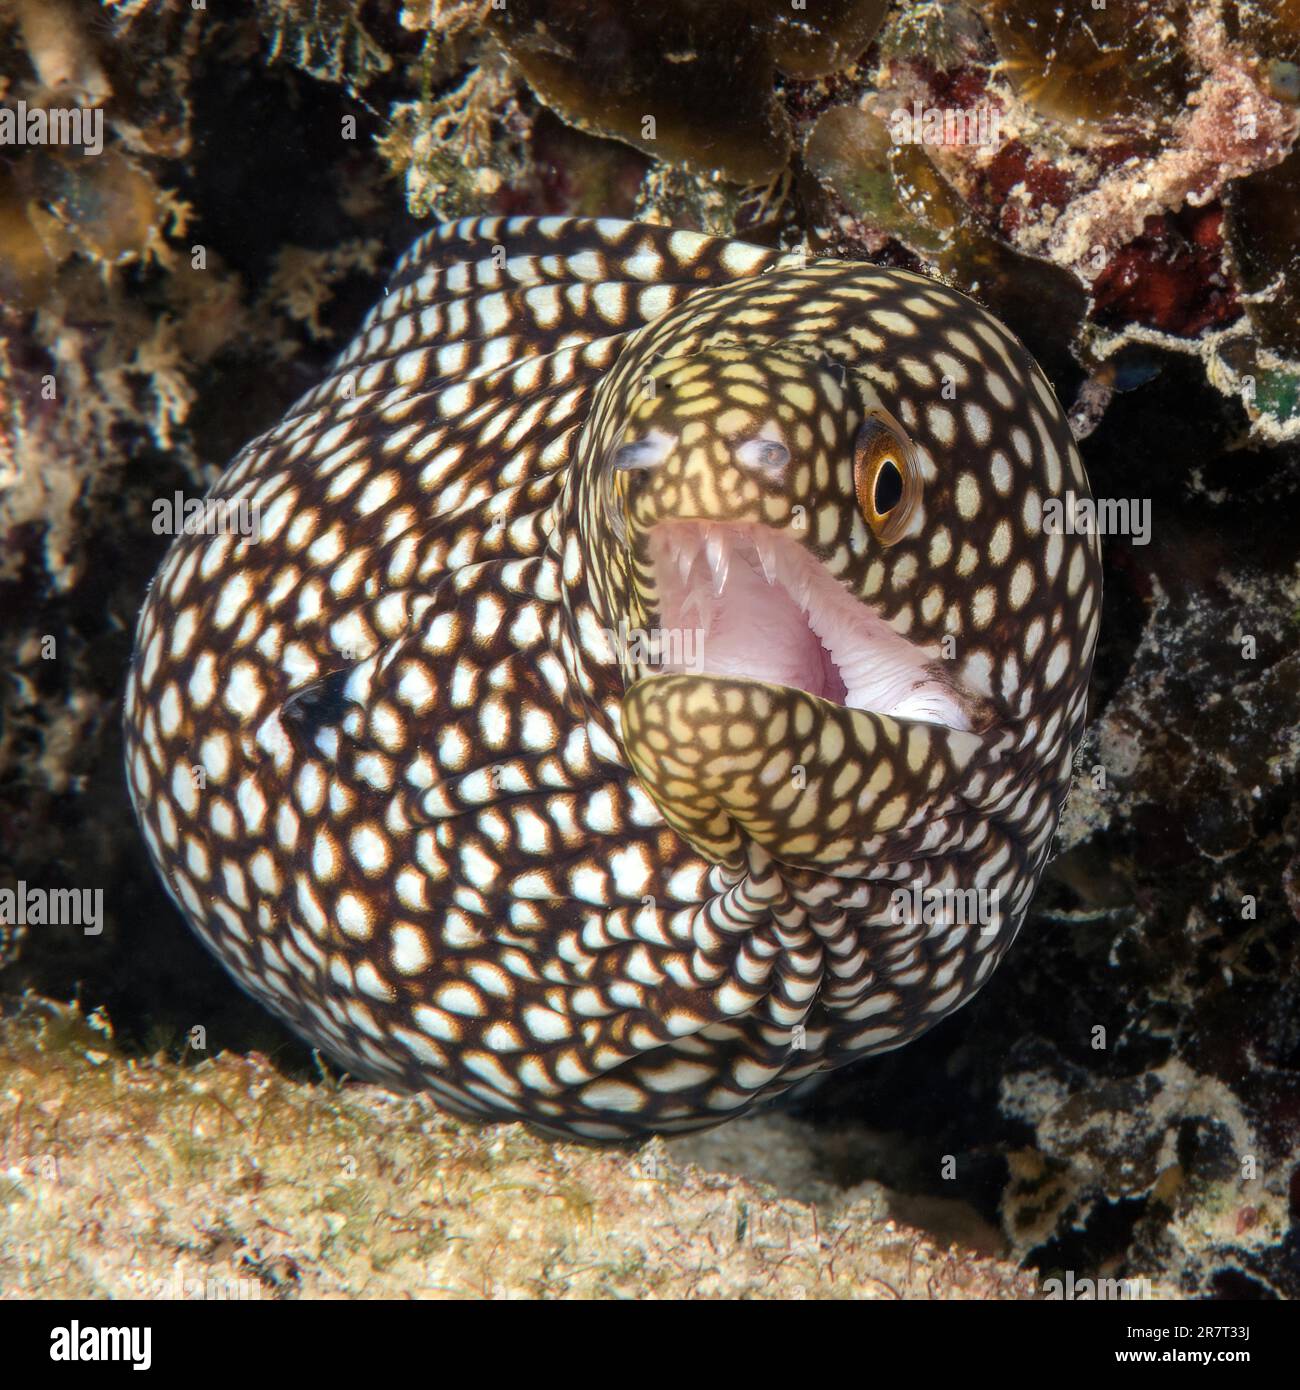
x=886 y=476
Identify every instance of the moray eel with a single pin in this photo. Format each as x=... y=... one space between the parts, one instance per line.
x=649 y=649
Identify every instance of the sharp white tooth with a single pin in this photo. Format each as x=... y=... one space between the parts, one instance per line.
x=721 y=568
x=766 y=556
x=719 y=558
x=685 y=563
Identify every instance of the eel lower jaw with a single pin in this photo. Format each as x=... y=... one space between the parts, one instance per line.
x=741 y=599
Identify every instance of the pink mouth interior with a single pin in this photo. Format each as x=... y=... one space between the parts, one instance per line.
x=760 y=606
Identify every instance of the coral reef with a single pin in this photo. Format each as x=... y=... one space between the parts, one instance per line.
x=690 y=84
x=1098 y=67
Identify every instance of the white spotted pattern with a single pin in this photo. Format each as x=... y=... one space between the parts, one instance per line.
x=392 y=778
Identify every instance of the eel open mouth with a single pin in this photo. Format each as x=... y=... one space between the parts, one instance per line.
x=748 y=601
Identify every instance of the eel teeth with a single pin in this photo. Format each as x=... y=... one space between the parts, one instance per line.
x=766 y=556
x=719 y=558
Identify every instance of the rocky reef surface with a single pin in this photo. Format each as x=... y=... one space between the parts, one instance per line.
x=1120 y=185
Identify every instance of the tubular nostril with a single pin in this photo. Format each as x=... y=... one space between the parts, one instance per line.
x=637 y=455
x=769 y=455
x=649 y=452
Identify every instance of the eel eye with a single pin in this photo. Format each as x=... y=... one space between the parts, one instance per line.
x=889 y=487
x=886 y=476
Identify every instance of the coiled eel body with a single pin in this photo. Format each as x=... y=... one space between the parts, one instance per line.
x=651 y=648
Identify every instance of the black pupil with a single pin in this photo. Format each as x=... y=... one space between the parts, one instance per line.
x=889 y=487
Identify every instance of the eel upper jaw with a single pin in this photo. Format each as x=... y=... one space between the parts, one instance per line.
x=741 y=599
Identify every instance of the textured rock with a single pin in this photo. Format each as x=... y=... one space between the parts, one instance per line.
x=225 y=1180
